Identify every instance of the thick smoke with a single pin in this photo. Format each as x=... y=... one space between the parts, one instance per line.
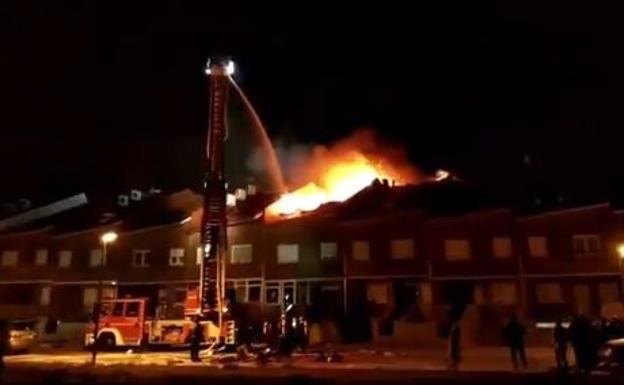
x=302 y=164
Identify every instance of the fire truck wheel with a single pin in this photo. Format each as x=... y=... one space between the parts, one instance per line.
x=106 y=341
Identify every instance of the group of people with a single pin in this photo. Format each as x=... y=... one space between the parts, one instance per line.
x=582 y=335
x=586 y=338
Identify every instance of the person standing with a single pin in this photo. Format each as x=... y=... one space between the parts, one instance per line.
x=580 y=336
x=514 y=334
x=560 y=340
x=454 y=346
x=197 y=335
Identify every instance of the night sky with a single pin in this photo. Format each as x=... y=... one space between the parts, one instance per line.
x=519 y=98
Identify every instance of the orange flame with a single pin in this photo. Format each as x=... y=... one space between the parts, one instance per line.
x=341 y=171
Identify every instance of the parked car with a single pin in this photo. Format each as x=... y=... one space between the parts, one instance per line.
x=611 y=358
x=22 y=335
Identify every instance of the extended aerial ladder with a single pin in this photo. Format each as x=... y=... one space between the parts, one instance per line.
x=214 y=220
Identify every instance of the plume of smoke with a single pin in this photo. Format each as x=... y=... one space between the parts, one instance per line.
x=302 y=164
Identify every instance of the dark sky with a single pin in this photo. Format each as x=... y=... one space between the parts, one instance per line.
x=512 y=95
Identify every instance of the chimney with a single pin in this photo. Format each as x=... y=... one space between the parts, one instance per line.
x=123 y=200
x=136 y=195
x=385 y=183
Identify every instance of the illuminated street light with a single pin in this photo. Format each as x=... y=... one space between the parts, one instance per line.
x=620 y=250
x=105 y=239
x=108 y=237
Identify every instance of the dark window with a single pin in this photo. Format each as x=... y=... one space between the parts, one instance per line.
x=254 y=293
x=289 y=292
x=592 y=244
x=118 y=309
x=132 y=309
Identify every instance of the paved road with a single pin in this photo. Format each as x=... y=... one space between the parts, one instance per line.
x=425 y=366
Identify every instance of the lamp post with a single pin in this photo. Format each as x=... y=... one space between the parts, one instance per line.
x=105 y=239
x=620 y=251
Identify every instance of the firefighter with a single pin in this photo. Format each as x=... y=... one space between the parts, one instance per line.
x=197 y=335
x=287 y=338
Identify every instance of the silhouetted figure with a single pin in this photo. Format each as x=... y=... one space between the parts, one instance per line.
x=514 y=333
x=454 y=346
x=560 y=340
x=603 y=331
x=4 y=343
x=581 y=339
x=197 y=335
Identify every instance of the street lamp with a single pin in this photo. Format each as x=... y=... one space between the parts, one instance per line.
x=105 y=239
x=620 y=250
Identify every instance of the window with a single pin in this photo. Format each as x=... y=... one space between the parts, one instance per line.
x=9 y=258
x=89 y=297
x=402 y=248
x=548 y=293
x=176 y=257
x=132 y=309
x=377 y=292
x=241 y=254
x=198 y=256
x=360 y=251
x=64 y=258
x=254 y=291
x=457 y=249
x=95 y=258
x=41 y=257
x=288 y=253
x=585 y=245
x=501 y=247
x=140 y=258
x=609 y=292
x=44 y=297
x=504 y=293
x=289 y=290
x=118 y=309
x=272 y=293
x=538 y=247
x=329 y=251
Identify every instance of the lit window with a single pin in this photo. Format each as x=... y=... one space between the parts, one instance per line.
x=538 y=247
x=64 y=258
x=89 y=297
x=360 y=251
x=585 y=245
x=329 y=250
x=609 y=292
x=501 y=247
x=140 y=258
x=548 y=293
x=272 y=293
x=402 y=248
x=288 y=253
x=44 y=297
x=241 y=253
x=41 y=257
x=504 y=293
x=95 y=258
x=457 y=249
x=377 y=293
x=176 y=257
x=9 y=258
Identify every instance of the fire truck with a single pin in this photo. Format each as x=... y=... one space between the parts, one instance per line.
x=126 y=322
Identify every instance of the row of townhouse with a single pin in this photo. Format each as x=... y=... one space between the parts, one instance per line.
x=381 y=266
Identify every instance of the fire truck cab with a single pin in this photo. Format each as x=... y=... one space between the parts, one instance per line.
x=125 y=322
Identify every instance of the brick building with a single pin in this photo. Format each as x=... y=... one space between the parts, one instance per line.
x=387 y=258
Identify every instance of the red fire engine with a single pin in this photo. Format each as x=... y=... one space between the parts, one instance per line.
x=127 y=322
